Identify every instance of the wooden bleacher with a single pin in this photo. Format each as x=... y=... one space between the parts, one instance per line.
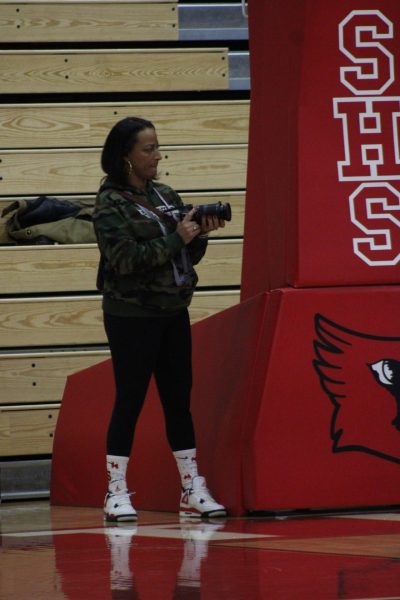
x=27 y=430
x=78 y=170
x=88 y=71
x=38 y=377
x=90 y=20
x=50 y=310
x=46 y=269
x=84 y=125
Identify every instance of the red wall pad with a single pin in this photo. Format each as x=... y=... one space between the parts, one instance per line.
x=328 y=432
x=323 y=185
x=296 y=405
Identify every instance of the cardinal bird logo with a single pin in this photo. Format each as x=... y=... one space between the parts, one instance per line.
x=360 y=373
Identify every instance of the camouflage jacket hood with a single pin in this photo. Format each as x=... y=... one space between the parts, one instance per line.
x=138 y=250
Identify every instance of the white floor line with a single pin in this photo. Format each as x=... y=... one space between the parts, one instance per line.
x=197 y=531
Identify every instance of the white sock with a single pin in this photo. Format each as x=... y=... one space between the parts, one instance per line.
x=116 y=473
x=187 y=466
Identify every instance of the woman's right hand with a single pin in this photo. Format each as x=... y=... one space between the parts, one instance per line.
x=187 y=228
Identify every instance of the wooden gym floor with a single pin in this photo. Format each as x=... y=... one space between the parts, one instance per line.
x=67 y=553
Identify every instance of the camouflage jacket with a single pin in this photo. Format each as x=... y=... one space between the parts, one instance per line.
x=139 y=250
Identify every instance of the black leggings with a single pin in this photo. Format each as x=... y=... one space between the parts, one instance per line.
x=140 y=347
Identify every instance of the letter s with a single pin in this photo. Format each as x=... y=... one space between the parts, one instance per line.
x=375 y=210
x=359 y=33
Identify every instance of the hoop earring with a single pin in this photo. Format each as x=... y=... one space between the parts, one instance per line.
x=129 y=168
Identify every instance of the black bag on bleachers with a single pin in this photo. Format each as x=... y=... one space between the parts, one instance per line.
x=47 y=220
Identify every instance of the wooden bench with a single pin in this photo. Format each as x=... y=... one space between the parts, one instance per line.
x=39 y=377
x=79 y=125
x=30 y=396
x=27 y=430
x=73 y=321
x=90 y=20
x=62 y=171
x=100 y=71
x=73 y=267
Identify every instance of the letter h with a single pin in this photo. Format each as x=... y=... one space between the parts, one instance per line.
x=370 y=136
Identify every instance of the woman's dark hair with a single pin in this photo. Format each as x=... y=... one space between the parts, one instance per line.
x=121 y=138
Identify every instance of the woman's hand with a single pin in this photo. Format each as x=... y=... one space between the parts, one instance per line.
x=187 y=228
x=211 y=223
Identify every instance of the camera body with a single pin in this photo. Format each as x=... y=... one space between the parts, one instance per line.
x=219 y=210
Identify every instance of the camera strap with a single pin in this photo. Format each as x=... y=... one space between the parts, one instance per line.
x=147 y=205
x=179 y=278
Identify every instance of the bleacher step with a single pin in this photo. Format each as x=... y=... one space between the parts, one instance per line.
x=198 y=22
x=25 y=479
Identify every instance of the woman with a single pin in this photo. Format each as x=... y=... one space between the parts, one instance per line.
x=147 y=280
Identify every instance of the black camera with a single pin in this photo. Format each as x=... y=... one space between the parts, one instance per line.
x=219 y=210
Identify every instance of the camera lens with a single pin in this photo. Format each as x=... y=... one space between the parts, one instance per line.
x=219 y=210
x=226 y=213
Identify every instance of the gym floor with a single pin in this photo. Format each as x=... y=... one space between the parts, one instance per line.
x=62 y=553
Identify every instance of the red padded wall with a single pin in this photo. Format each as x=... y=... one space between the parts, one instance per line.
x=323 y=189
x=292 y=403
x=276 y=31
x=324 y=434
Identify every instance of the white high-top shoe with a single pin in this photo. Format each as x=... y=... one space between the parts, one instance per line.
x=198 y=502
x=117 y=503
x=118 y=507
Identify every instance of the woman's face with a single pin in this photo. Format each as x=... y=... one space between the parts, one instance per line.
x=144 y=155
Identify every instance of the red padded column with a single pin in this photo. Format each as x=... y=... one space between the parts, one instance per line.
x=276 y=31
x=323 y=190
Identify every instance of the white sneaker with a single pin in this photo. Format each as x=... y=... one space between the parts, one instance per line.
x=118 y=507
x=198 y=502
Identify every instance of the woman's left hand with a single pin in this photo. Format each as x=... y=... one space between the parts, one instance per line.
x=210 y=223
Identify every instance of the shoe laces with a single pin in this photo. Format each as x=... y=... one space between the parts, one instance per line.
x=204 y=492
x=123 y=497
